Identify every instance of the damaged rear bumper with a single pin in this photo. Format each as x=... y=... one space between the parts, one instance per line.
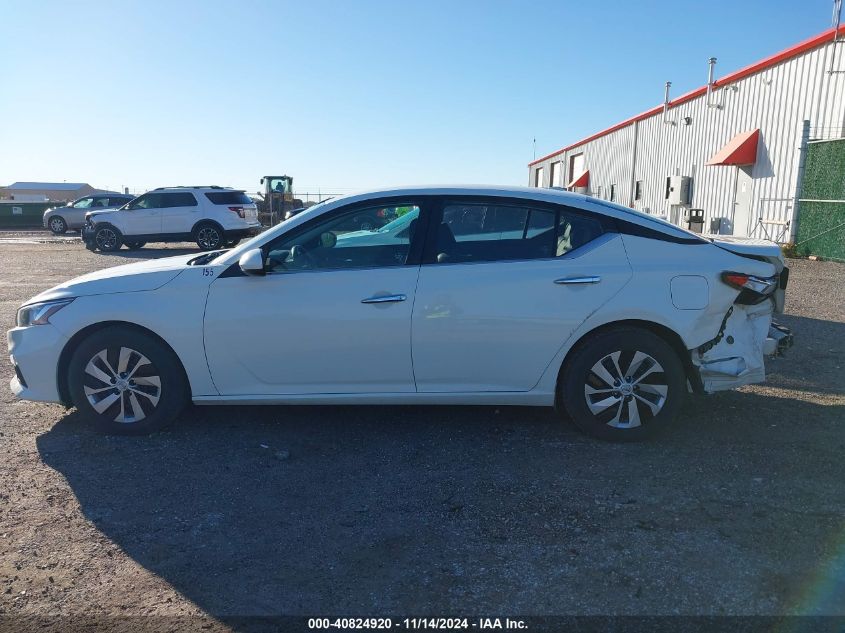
x=736 y=356
x=779 y=340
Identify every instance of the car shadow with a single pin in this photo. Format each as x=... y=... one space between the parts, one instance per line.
x=153 y=252
x=438 y=510
x=814 y=363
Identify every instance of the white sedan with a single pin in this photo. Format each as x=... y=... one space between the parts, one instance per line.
x=473 y=295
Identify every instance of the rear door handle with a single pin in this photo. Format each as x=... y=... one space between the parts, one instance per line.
x=592 y=279
x=384 y=299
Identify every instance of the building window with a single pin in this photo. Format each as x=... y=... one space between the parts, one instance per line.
x=598 y=192
x=612 y=194
x=557 y=175
x=538 y=177
x=638 y=190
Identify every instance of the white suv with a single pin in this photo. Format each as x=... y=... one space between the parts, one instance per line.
x=213 y=217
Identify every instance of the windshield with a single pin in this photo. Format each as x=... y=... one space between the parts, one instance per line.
x=261 y=237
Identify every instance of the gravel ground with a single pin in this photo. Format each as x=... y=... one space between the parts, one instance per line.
x=377 y=511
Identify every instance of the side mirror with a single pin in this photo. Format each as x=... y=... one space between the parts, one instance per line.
x=328 y=239
x=252 y=262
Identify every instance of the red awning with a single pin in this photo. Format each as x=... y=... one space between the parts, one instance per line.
x=740 y=150
x=581 y=180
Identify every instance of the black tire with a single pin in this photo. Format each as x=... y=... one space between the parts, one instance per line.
x=209 y=236
x=57 y=225
x=232 y=243
x=640 y=386
x=107 y=238
x=133 y=245
x=146 y=413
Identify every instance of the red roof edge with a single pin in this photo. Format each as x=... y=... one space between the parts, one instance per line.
x=768 y=62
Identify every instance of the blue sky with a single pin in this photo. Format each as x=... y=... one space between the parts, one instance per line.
x=348 y=95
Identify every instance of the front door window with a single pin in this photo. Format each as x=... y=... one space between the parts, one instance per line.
x=368 y=237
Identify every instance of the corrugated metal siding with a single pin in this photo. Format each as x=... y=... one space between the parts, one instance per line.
x=777 y=100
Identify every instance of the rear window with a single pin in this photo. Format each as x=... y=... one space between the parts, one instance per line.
x=228 y=197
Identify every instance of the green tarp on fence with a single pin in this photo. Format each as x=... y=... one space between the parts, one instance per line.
x=821 y=225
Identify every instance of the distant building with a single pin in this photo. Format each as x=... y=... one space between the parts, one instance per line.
x=43 y=191
x=728 y=157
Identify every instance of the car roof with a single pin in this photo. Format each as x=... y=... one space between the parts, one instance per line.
x=197 y=187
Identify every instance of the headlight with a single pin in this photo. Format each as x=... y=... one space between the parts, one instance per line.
x=40 y=313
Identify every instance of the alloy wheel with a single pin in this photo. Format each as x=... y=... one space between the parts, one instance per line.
x=123 y=384
x=57 y=225
x=208 y=238
x=106 y=239
x=626 y=389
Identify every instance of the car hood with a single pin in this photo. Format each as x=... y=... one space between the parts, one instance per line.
x=137 y=277
x=92 y=214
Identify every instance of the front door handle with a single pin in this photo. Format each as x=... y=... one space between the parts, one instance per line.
x=384 y=299
x=592 y=279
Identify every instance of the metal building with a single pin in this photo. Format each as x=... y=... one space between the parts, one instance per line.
x=53 y=191
x=725 y=158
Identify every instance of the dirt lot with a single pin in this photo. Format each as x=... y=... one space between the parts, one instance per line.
x=740 y=509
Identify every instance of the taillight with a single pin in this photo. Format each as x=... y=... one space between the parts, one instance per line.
x=754 y=289
x=238 y=210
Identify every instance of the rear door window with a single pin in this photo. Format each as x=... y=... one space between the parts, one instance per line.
x=480 y=232
x=491 y=232
x=182 y=199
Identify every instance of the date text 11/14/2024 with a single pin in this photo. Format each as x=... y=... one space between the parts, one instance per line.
x=417 y=623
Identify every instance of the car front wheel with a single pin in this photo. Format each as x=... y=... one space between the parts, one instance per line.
x=623 y=384
x=108 y=239
x=58 y=226
x=126 y=381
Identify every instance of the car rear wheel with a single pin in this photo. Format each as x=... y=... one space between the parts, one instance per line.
x=133 y=245
x=107 y=238
x=623 y=384
x=126 y=382
x=208 y=237
x=57 y=225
